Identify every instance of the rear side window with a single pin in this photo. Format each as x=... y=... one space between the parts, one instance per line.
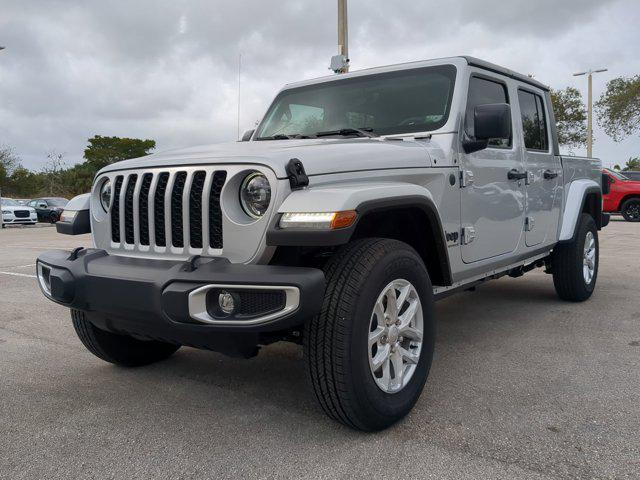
x=534 y=121
x=483 y=92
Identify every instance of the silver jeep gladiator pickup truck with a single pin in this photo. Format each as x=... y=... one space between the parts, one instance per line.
x=358 y=201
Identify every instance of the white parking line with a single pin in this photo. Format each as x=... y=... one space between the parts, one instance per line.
x=20 y=266
x=15 y=274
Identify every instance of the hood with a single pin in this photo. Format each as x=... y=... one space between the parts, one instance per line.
x=319 y=156
x=12 y=208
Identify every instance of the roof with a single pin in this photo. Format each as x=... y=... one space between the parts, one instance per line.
x=476 y=62
x=472 y=61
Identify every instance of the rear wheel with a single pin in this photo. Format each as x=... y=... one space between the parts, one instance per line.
x=575 y=264
x=369 y=351
x=119 y=349
x=631 y=210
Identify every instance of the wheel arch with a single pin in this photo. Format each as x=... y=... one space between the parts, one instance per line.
x=628 y=197
x=401 y=212
x=584 y=196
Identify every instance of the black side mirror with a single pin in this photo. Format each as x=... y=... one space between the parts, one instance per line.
x=606 y=184
x=246 y=136
x=489 y=121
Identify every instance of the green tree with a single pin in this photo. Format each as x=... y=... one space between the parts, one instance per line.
x=103 y=151
x=633 y=164
x=618 y=108
x=571 y=117
x=9 y=161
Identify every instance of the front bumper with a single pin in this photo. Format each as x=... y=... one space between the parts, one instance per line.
x=159 y=299
x=13 y=220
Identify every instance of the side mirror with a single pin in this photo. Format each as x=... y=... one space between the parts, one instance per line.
x=42 y=205
x=606 y=184
x=489 y=121
x=246 y=136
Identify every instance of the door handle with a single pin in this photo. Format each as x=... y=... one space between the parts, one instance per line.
x=514 y=174
x=549 y=174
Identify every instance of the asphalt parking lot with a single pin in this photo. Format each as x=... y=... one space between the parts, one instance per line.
x=522 y=386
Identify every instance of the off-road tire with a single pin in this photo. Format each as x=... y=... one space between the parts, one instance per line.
x=336 y=341
x=567 y=263
x=630 y=210
x=119 y=349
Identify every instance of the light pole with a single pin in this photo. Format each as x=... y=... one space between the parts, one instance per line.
x=340 y=62
x=589 y=74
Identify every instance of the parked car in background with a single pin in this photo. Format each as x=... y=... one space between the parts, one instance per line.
x=49 y=209
x=15 y=214
x=623 y=197
x=631 y=175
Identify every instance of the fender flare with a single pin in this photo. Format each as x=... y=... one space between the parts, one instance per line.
x=574 y=205
x=369 y=199
x=81 y=222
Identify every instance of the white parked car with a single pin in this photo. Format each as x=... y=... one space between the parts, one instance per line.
x=15 y=214
x=359 y=200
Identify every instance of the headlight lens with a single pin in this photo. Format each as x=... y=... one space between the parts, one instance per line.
x=105 y=195
x=255 y=194
x=6 y=212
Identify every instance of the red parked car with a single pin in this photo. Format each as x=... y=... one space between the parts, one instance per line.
x=624 y=196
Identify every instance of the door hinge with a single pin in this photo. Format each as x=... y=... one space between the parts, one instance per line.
x=468 y=235
x=466 y=178
x=529 y=223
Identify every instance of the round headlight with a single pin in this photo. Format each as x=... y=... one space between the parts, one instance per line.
x=255 y=194
x=105 y=195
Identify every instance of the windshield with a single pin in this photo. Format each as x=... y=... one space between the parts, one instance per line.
x=407 y=101
x=9 y=202
x=56 y=202
x=617 y=175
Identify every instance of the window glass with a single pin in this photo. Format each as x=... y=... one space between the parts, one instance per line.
x=414 y=100
x=483 y=92
x=534 y=123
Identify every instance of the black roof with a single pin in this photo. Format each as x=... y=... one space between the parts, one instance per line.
x=476 y=62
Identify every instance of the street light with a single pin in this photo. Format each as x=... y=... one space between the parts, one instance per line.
x=589 y=74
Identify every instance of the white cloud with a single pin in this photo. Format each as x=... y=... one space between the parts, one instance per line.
x=167 y=70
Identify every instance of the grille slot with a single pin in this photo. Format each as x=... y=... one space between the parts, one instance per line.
x=215 y=212
x=177 y=231
x=128 y=209
x=158 y=209
x=195 y=209
x=115 y=210
x=178 y=209
x=143 y=208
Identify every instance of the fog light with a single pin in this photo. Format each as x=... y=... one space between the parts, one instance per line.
x=226 y=302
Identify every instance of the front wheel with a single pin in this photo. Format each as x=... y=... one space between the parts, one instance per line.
x=119 y=349
x=369 y=351
x=631 y=210
x=575 y=264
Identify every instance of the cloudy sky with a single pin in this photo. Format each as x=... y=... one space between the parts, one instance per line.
x=167 y=69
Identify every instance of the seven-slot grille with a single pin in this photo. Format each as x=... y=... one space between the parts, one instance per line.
x=179 y=209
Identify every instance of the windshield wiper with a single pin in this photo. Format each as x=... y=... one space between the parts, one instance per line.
x=282 y=136
x=360 y=132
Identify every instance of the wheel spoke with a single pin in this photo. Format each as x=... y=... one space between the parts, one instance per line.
x=409 y=356
x=392 y=305
x=398 y=370
x=410 y=312
x=376 y=335
x=381 y=356
x=411 y=333
x=386 y=373
x=378 y=310
x=404 y=294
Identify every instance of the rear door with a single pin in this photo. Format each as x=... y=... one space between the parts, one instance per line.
x=543 y=188
x=492 y=205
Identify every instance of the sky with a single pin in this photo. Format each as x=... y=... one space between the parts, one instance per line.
x=168 y=69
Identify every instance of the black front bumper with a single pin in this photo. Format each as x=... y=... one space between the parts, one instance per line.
x=149 y=298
